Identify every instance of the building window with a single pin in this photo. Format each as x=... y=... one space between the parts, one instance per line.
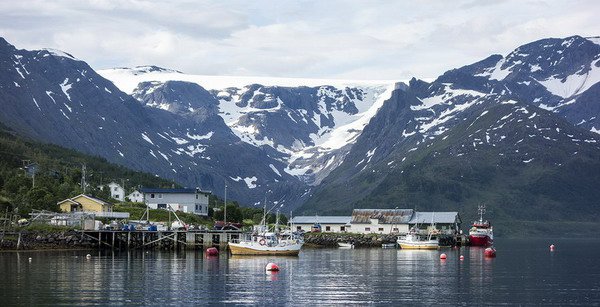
x=160 y=196
x=367 y=228
x=162 y=206
x=152 y=195
x=117 y=196
x=327 y=228
x=298 y=228
x=342 y=228
x=396 y=229
x=196 y=196
x=380 y=229
x=115 y=189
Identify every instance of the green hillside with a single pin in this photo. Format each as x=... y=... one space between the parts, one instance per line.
x=58 y=176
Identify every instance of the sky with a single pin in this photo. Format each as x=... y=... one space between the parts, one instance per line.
x=375 y=40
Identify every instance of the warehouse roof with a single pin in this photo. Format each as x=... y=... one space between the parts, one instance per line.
x=385 y=216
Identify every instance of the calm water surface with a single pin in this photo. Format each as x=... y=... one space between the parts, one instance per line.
x=525 y=272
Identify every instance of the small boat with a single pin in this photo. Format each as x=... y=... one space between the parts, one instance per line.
x=345 y=245
x=267 y=243
x=413 y=240
x=263 y=242
x=481 y=232
x=388 y=245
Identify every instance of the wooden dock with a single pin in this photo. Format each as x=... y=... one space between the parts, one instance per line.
x=166 y=240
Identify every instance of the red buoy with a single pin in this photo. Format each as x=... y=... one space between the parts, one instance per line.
x=212 y=251
x=552 y=247
x=490 y=252
x=443 y=256
x=462 y=257
x=272 y=267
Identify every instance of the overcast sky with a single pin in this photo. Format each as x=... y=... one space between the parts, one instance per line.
x=313 y=39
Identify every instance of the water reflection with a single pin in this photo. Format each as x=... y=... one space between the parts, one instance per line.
x=523 y=273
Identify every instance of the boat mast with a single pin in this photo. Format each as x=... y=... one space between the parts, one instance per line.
x=432 y=226
x=265 y=214
x=481 y=209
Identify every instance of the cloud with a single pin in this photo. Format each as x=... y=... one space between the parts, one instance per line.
x=320 y=39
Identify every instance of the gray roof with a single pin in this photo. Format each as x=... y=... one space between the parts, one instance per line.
x=437 y=217
x=385 y=216
x=321 y=219
x=178 y=191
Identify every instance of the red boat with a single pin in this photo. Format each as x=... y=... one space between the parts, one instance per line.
x=482 y=232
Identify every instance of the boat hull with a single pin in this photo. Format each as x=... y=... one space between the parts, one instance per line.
x=239 y=249
x=418 y=246
x=480 y=240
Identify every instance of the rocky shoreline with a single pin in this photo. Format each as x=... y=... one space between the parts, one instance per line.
x=35 y=240
x=359 y=240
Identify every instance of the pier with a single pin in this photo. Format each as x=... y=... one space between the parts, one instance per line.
x=165 y=240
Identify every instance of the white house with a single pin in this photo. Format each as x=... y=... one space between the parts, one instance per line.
x=186 y=200
x=326 y=223
x=136 y=196
x=116 y=191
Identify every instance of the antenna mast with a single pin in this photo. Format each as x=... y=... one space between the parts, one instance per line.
x=83 y=184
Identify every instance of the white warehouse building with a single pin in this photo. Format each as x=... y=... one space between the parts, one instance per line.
x=381 y=221
x=325 y=223
x=185 y=200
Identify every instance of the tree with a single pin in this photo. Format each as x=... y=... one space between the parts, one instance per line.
x=41 y=199
x=17 y=185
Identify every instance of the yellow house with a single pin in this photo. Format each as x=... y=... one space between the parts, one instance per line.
x=84 y=203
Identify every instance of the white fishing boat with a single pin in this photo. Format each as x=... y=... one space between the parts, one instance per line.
x=264 y=242
x=413 y=240
x=267 y=243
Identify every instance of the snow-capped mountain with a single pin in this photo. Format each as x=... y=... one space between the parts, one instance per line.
x=495 y=131
x=307 y=124
x=520 y=126
x=53 y=97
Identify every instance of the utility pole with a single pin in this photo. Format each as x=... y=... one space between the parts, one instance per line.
x=225 y=207
x=83 y=184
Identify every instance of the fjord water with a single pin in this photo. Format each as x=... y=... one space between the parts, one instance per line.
x=525 y=272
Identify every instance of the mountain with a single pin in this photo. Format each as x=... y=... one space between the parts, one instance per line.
x=519 y=132
x=307 y=124
x=494 y=132
x=53 y=97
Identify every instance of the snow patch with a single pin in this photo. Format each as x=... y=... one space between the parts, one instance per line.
x=147 y=139
x=275 y=170
x=250 y=181
x=574 y=84
x=65 y=87
x=200 y=137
